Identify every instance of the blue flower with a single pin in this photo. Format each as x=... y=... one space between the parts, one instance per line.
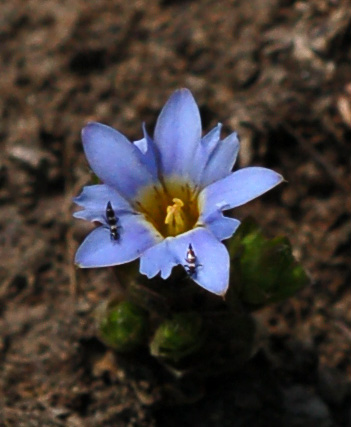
x=166 y=196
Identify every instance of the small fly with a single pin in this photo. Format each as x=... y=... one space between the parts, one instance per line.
x=191 y=264
x=112 y=221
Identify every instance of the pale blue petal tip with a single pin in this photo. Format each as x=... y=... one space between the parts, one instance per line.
x=238 y=188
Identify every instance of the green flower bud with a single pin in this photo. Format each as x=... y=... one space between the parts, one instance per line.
x=180 y=336
x=264 y=269
x=122 y=325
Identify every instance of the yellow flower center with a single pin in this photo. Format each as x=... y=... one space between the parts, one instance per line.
x=175 y=217
x=172 y=208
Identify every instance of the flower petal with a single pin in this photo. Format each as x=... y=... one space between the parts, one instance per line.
x=114 y=159
x=177 y=133
x=158 y=259
x=212 y=258
x=212 y=138
x=236 y=189
x=203 y=153
x=221 y=160
x=212 y=272
x=221 y=226
x=94 y=199
x=148 y=152
x=99 y=250
x=90 y=215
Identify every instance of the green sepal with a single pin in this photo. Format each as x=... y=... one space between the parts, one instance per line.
x=178 y=337
x=122 y=325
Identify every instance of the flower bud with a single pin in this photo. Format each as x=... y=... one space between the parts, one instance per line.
x=265 y=270
x=180 y=336
x=122 y=325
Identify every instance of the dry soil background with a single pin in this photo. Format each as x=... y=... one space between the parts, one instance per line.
x=278 y=72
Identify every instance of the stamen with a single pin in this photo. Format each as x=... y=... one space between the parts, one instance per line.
x=171 y=209
x=175 y=217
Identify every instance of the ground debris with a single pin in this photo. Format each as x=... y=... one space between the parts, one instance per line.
x=277 y=72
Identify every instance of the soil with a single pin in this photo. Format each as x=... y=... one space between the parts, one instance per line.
x=279 y=73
